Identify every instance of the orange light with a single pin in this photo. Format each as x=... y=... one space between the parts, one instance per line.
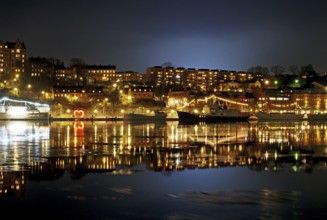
x=78 y=113
x=79 y=125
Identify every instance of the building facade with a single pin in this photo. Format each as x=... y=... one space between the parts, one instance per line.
x=100 y=73
x=12 y=57
x=201 y=80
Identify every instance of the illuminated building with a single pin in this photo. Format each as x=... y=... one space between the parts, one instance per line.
x=129 y=76
x=60 y=74
x=197 y=79
x=242 y=76
x=166 y=75
x=180 y=76
x=39 y=68
x=200 y=79
x=12 y=57
x=80 y=93
x=178 y=96
x=85 y=75
x=191 y=75
x=100 y=73
x=40 y=73
x=310 y=101
x=141 y=92
x=160 y=75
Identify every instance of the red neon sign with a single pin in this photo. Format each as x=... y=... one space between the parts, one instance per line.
x=78 y=113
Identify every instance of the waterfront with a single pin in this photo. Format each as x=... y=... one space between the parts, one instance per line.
x=120 y=170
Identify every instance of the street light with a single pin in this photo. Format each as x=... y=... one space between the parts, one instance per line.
x=104 y=105
x=16 y=91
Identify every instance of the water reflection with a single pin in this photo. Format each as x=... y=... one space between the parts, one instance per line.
x=36 y=151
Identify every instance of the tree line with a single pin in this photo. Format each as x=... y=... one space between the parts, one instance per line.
x=279 y=70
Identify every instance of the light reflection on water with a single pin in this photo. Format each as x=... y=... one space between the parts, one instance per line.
x=262 y=170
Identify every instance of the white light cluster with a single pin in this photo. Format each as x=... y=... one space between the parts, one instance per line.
x=39 y=106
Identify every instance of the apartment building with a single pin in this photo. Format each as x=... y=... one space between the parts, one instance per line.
x=129 y=76
x=100 y=73
x=197 y=79
x=12 y=57
x=140 y=92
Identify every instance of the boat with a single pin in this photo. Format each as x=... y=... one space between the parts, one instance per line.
x=265 y=116
x=213 y=115
x=311 y=117
x=156 y=116
x=15 y=109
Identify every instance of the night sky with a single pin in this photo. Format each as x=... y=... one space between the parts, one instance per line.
x=136 y=34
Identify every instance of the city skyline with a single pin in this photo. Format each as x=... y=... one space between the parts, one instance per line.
x=134 y=35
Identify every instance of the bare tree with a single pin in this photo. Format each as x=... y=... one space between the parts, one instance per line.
x=277 y=70
x=294 y=69
x=307 y=68
x=258 y=69
x=76 y=62
x=167 y=64
x=79 y=65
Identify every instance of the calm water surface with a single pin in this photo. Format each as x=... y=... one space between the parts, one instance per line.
x=117 y=170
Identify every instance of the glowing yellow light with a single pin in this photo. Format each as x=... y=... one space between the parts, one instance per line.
x=78 y=113
x=266 y=155
x=79 y=125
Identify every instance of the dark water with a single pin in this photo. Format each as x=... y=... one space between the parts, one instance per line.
x=116 y=170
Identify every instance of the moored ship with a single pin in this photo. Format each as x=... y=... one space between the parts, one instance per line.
x=214 y=115
x=15 y=109
x=264 y=116
x=141 y=117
